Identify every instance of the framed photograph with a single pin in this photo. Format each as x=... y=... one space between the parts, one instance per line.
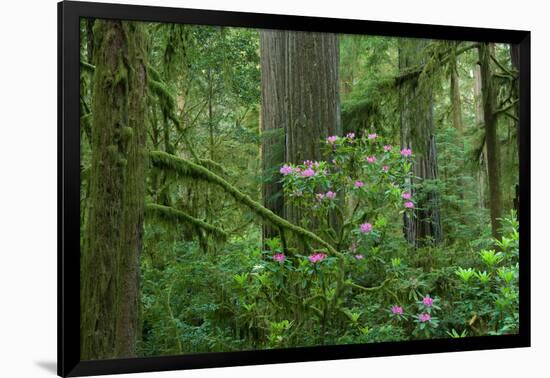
x=239 y=188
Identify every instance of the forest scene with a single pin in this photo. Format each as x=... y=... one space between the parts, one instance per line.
x=247 y=189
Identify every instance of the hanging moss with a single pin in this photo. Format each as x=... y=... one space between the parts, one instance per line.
x=173 y=214
x=186 y=168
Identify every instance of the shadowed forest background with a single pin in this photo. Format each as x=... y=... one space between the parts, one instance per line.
x=247 y=189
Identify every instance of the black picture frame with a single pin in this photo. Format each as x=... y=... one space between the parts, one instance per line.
x=69 y=13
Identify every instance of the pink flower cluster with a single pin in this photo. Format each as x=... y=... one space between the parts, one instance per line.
x=372 y=136
x=311 y=164
x=385 y=168
x=317 y=257
x=308 y=172
x=427 y=301
x=279 y=257
x=408 y=204
x=328 y=195
x=350 y=135
x=359 y=257
x=424 y=317
x=332 y=139
x=397 y=310
x=387 y=147
x=359 y=184
x=286 y=170
x=365 y=228
x=371 y=159
x=406 y=152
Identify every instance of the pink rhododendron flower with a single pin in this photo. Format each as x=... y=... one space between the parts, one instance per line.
x=317 y=257
x=406 y=152
x=427 y=301
x=372 y=136
x=332 y=139
x=330 y=195
x=320 y=196
x=359 y=257
x=424 y=317
x=350 y=135
x=397 y=310
x=359 y=184
x=286 y=169
x=385 y=168
x=406 y=195
x=371 y=159
x=308 y=172
x=365 y=228
x=409 y=205
x=279 y=257
x=387 y=147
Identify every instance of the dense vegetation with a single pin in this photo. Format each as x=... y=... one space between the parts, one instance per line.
x=248 y=189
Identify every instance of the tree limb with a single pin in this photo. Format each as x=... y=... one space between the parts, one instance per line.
x=188 y=169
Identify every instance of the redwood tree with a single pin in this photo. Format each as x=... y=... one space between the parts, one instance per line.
x=299 y=94
x=417 y=132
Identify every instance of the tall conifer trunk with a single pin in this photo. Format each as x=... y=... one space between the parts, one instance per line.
x=417 y=132
x=491 y=137
x=114 y=231
x=300 y=94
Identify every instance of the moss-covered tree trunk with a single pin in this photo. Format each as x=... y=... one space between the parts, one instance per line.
x=491 y=137
x=113 y=236
x=273 y=121
x=417 y=132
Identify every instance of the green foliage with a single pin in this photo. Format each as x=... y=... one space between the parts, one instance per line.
x=343 y=272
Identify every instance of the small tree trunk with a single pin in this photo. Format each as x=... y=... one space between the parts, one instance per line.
x=113 y=236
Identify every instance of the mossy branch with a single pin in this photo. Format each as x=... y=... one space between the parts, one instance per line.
x=173 y=214
x=87 y=66
x=369 y=289
x=188 y=169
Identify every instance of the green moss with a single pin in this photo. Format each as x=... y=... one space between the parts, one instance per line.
x=173 y=214
x=186 y=168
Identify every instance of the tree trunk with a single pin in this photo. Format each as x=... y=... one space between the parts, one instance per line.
x=312 y=98
x=113 y=236
x=482 y=174
x=300 y=93
x=273 y=121
x=514 y=55
x=456 y=101
x=491 y=137
x=417 y=132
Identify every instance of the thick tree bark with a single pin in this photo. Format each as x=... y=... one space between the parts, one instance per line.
x=456 y=101
x=491 y=137
x=482 y=174
x=113 y=236
x=300 y=94
x=417 y=132
x=312 y=98
x=273 y=121
x=514 y=55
